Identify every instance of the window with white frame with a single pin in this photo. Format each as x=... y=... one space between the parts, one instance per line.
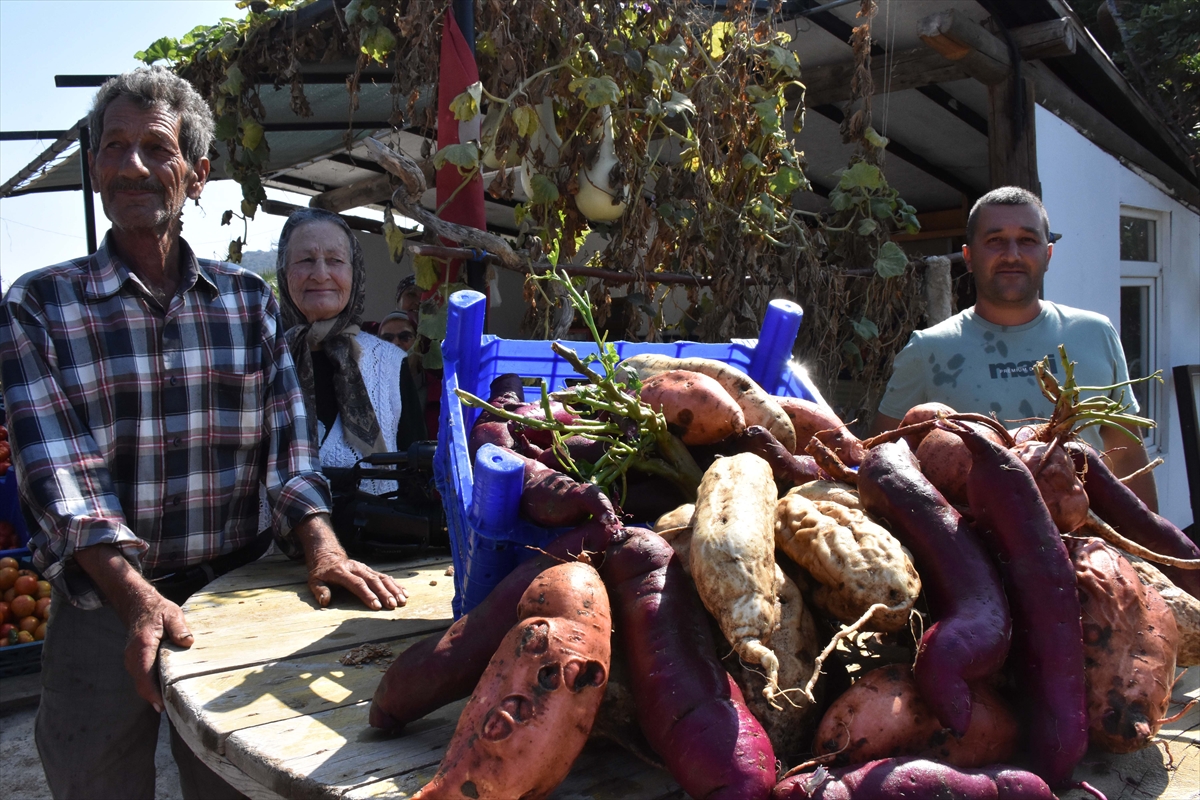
x=1141 y=299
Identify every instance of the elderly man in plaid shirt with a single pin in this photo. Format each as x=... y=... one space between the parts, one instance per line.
x=150 y=393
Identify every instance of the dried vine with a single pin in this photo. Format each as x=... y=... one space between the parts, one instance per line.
x=704 y=157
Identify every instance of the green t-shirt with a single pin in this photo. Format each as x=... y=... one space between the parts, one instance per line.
x=972 y=365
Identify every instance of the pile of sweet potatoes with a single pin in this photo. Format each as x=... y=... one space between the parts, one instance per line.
x=938 y=549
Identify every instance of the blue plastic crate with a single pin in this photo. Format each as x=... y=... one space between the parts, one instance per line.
x=10 y=511
x=487 y=539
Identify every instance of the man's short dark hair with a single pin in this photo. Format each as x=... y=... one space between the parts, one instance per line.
x=1007 y=196
x=158 y=86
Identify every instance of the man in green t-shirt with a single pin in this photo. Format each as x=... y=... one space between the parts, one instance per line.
x=982 y=359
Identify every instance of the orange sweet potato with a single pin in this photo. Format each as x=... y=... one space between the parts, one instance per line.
x=695 y=405
x=883 y=716
x=1129 y=641
x=533 y=709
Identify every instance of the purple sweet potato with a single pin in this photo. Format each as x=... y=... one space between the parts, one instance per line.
x=553 y=499
x=1040 y=583
x=913 y=779
x=447 y=667
x=970 y=635
x=690 y=710
x=810 y=419
x=789 y=469
x=1116 y=504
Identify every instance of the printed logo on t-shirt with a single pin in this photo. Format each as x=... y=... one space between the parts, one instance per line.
x=1017 y=369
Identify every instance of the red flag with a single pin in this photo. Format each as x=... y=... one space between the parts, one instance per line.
x=458 y=72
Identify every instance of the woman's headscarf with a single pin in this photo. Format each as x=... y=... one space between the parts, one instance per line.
x=334 y=336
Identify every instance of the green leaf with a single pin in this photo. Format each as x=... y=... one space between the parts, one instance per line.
x=865 y=328
x=679 y=104
x=784 y=60
x=658 y=74
x=654 y=107
x=252 y=134
x=433 y=357
x=544 y=190
x=393 y=236
x=861 y=176
x=526 y=120
x=520 y=213
x=881 y=209
x=786 y=181
x=235 y=251
x=464 y=156
x=426 y=272
x=751 y=162
x=874 y=138
x=840 y=201
x=353 y=10
x=233 y=82
x=668 y=54
x=227 y=217
x=433 y=326
x=596 y=92
x=377 y=42
x=768 y=114
x=165 y=48
x=226 y=127
x=891 y=261
x=866 y=227
x=465 y=107
x=633 y=60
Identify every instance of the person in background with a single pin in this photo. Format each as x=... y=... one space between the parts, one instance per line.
x=399 y=328
x=350 y=379
x=408 y=294
x=150 y=395
x=982 y=359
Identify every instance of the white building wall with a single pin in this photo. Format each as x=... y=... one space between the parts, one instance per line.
x=1084 y=190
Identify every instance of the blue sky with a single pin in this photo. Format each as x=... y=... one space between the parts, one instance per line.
x=43 y=38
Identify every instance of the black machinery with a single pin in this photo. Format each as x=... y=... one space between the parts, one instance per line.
x=405 y=521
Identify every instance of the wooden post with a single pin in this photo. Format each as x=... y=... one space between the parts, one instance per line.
x=1012 y=143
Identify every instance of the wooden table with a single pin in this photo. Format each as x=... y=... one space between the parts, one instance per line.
x=263 y=698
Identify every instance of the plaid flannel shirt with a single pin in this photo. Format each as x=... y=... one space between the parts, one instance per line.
x=147 y=430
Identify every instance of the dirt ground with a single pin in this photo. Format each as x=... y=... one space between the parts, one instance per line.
x=21 y=776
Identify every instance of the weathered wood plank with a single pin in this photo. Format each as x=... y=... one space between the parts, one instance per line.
x=239 y=629
x=279 y=570
x=219 y=704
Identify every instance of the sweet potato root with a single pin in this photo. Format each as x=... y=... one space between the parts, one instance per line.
x=857 y=563
x=1129 y=642
x=533 y=709
x=946 y=461
x=447 y=667
x=691 y=712
x=1184 y=607
x=883 y=716
x=697 y=408
x=554 y=499
x=969 y=638
x=809 y=419
x=1040 y=584
x=733 y=556
x=913 y=778
x=758 y=407
x=1054 y=471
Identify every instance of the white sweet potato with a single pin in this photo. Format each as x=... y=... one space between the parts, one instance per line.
x=796 y=643
x=838 y=492
x=1185 y=608
x=676 y=528
x=856 y=561
x=758 y=407
x=733 y=557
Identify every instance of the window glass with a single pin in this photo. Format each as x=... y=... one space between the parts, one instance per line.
x=1135 y=341
x=1138 y=239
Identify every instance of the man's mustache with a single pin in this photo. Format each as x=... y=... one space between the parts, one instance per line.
x=128 y=185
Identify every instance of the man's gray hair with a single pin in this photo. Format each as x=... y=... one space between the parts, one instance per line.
x=1007 y=196
x=158 y=86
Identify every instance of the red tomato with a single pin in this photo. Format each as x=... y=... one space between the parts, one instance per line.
x=5 y=629
x=40 y=633
x=42 y=608
x=29 y=624
x=9 y=561
x=9 y=594
x=5 y=614
x=22 y=606
x=43 y=589
x=8 y=578
x=24 y=637
x=26 y=584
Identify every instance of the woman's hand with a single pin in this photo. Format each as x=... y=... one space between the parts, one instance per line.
x=328 y=564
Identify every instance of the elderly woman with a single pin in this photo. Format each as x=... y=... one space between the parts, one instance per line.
x=351 y=379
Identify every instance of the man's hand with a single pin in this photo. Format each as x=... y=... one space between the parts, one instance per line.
x=148 y=616
x=328 y=563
